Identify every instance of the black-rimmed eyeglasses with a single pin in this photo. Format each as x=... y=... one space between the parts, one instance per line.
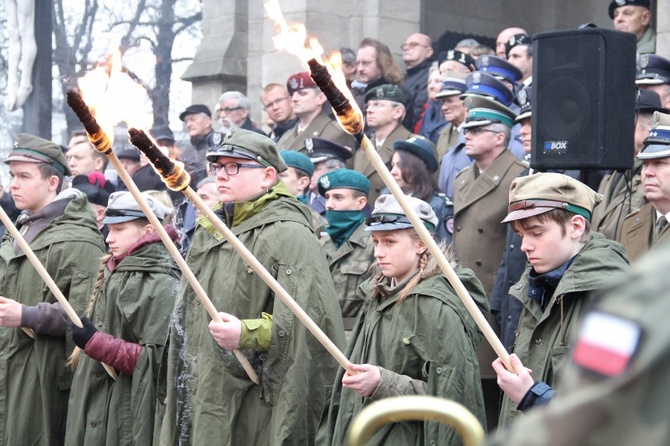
x=231 y=168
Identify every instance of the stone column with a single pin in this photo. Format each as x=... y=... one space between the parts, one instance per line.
x=663 y=29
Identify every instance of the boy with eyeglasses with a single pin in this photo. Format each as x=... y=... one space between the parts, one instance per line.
x=285 y=406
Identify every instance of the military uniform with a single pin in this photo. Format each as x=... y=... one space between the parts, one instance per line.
x=618 y=202
x=619 y=398
x=363 y=165
x=322 y=126
x=638 y=234
x=350 y=265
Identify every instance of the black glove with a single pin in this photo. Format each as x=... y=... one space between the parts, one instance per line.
x=81 y=336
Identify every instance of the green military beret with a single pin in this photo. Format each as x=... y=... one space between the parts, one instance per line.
x=343 y=179
x=298 y=161
x=245 y=144
x=390 y=92
x=33 y=149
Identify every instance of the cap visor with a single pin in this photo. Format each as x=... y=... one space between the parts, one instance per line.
x=467 y=125
x=524 y=213
x=523 y=116
x=119 y=219
x=23 y=158
x=387 y=227
x=213 y=156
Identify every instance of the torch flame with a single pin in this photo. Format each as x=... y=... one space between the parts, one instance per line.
x=292 y=37
x=114 y=96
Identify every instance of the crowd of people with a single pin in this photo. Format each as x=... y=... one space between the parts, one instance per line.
x=542 y=254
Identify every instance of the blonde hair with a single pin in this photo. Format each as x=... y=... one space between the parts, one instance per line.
x=164 y=198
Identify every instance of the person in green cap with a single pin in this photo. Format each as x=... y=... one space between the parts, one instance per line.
x=297 y=177
x=209 y=397
x=347 y=246
x=413 y=335
x=568 y=265
x=63 y=234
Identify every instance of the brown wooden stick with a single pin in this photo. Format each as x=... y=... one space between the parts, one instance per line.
x=352 y=123
x=44 y=274
x=142 y=142
x=103 y=144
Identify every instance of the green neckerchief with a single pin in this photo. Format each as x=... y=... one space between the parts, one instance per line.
x=303 y=199
x=237 y=212
x=341 y=224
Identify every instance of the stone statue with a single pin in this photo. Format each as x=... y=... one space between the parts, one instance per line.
x=22 y=51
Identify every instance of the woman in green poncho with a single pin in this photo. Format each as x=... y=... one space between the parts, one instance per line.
x=128 y=326
x=413 y=335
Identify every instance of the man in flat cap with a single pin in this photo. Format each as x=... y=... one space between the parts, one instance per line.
x=648 y=226
x=385 y=110
x=308 y=102
x=285 y=407
x=197 y=119
x=653 y=73
x=634 y=16
x=623 y=192
x=348 y=248
x=480 y=197
x=63 y=234
x=568 y=265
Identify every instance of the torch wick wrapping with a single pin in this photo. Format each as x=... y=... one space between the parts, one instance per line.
x=174 y=176
x=97 y=136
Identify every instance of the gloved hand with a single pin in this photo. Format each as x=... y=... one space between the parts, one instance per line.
x=81 y=336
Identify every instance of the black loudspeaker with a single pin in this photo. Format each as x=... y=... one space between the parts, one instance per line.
x=583 y=99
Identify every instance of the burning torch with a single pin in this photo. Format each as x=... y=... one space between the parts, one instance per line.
x=178 y=179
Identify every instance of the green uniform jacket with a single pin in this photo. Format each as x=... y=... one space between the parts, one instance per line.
x=425 y=345
x=617 y=202
x=350 y=266
x=630 y=406
x=134 y=304
x=210 y=399
x=34 y=382
x=363 y=165
x=323 y=126
x=638 y=234
x=480 y=204
x=542 y=341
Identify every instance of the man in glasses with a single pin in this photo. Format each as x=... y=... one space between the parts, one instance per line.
x=279 y=108
x=293 y=367
x=417 y=54
x=480 y=203
x=233 y=112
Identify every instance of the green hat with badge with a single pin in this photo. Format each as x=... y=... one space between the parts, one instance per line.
x=33 y=149
x=343 y=179
x=542 y=192
x=486 y=111
x=389 y=92
x=245 y=144
x=298 y=161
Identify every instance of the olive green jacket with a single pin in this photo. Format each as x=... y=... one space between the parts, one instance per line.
x=350 y=265
x=34 y=382
x=208 y=397
x=425 y=345
x=134 y=304
x=542 y=342
x=629 y=405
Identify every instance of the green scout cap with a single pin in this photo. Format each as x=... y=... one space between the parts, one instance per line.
x=298 y=161
x=484 y=111
x=343 y=179
x=389 y=92
x=245 y=144
x=389 y=216
x=539 y=193
x=33 y=149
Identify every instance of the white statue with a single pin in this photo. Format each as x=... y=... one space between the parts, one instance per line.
x=22 y=51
